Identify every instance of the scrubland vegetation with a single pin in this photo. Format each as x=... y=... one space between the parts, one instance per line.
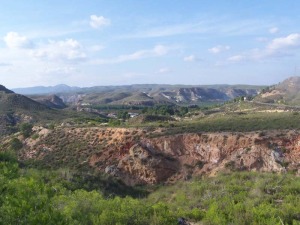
x=240 y=122
x=30 y=196
x=63 y=189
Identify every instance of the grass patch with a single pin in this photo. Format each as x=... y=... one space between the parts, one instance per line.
x=236 y=122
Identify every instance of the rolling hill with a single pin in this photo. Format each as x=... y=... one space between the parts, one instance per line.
x=286 y=92
x=16 y=108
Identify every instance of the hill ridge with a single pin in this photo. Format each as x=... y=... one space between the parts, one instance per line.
x=286 y=92
x=4 y=89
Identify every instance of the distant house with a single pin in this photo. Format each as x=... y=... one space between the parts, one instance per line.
x=112 y=115
x=133 y=114
x=85 y=104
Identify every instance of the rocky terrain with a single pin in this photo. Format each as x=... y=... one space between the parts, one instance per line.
x=51 y=101
x=135 y=158
x=16 y=108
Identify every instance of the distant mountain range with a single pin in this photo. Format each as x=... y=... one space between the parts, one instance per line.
x=61 y=88
x=286 y=92
x=17 y=108
x=144 y=94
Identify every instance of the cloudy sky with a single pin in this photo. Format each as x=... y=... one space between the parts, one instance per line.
x=88 y=43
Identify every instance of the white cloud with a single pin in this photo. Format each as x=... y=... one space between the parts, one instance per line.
x=273 y=30
x=157 y=51
x=290 y=41
x=236 y=58
x=190 y=58
x=15 y=40
x=98 y=21
x=164 y=70
x=66 y=51
x=218 y=49
x=278 y=47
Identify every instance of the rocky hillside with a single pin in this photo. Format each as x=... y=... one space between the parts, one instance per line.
x=200 y=94
x=150 y=97
x=135 y=158
x=51 y=101
x=5 y=90
x=9 y=101
x=286 y=92
x=16 y=108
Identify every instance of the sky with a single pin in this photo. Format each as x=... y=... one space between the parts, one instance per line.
x=121 y=42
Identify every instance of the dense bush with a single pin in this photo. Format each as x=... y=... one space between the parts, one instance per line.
x=41 y=197
x=236 y=198
x=26 y=129
x=15 y=144
x=166 y=110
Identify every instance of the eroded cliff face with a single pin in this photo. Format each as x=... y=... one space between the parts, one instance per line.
x=167 y=159
x=143 y=165
x=137 y=159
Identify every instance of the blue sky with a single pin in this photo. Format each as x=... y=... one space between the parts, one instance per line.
x=88 y=43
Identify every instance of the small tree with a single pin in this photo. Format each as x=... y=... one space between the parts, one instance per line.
x=15 y=144
x=113 y=122
x=26 y=129
x=183 y=110
x=123 y=115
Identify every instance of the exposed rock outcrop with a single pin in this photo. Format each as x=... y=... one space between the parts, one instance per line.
x=145 y=165
x=183 y=156
x=52 y=101
x=136 y=159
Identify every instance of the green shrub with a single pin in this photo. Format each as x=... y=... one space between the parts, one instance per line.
x=15 y=144
x=26 y=129
x=8 y=156
x=35 y=136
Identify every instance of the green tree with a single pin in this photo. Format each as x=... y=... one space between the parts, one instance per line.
x=123 y=115
x=113 y=122
x=15 y=144
x=183 y=110
x=26 y=129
